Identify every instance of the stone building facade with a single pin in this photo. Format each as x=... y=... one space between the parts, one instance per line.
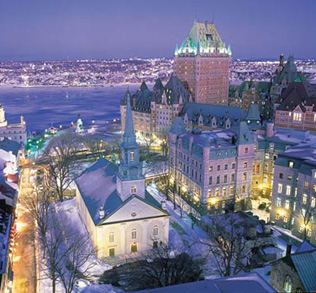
x=211 y=168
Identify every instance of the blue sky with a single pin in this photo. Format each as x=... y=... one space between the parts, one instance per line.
x=83 y=29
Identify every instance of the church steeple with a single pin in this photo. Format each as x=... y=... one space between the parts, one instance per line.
x=129 y=137
x=130 y=177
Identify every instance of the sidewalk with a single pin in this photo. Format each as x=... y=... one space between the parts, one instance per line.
x=24 y=264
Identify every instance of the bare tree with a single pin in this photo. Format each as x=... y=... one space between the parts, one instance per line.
x=165 y=266
x=230 y=244
x=306 y=211
x=59 y=161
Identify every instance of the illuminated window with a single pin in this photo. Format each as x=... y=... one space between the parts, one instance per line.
x=291 y=164
x=288 y=282
x=313 y=201
x=243 y=189
x=304 y=198
x=232 y=190
x=245 y=164
x=279 y=202
x=155 y=230
x=303 y=211
x=280 y=188
x=285 y=219
x=133 y=189
x=111 y=237
x=297 y=117
x=244 y=176
x=288 y=190
x=246 y=150
x=314 y=117
x=134 y=234
x=287 y=204
x=132 y=156
x=305 y=184
x=224 y=191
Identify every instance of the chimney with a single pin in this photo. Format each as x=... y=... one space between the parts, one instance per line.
x=288 y=249
x=101 y=213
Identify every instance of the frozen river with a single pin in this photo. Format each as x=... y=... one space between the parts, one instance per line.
x=43 y=106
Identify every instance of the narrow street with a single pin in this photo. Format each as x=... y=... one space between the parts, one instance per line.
x=24 y=264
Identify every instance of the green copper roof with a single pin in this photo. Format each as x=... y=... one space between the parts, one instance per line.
x=243 y=134
x=203 y=39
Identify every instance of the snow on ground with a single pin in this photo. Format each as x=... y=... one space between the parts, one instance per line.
x=100 y=289
x=70 y=214
x=181 y=231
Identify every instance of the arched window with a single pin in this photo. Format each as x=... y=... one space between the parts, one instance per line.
x=155 y=230
x=134 y=235
x=133 y=189
x=288 y=284
x=111 y=237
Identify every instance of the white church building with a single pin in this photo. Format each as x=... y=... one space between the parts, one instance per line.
x=117 y=210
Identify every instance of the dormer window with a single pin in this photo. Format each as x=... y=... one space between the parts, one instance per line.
x=133 y=189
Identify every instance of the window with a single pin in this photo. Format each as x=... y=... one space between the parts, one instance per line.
x=277 y=216
x=226 y=167
x=287 y=204
x=217 y=192
x=288 y=284
x=281 y=175
x=246 y=150
x=279 y=202
x=211 y=168
x=218 y=179
x=111 y=237
x=218 y=167
x=111 y=252
x=285 y=219
x=289 y=177
x=232 y=190
x=243 y=189
x=280 y=188
x=294 y=207
x=297 y=117
x=291 y=164
x=305 y=184
x=288 y=190
x=304 y=198
x=210 y=180
x=134 y=247
x=133 y=189
x=244 y=176
x=224 y=191
x=233 y=165
x=134 y=234
x=155 y=230
x=132 y=156
x=245 y=164
x=233 y=178
x=313 y=201
x=225 y=178
x=155 y=244
x=303 y=211
x=309 y=233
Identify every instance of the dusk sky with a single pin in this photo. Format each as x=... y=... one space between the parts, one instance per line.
x=101 y=29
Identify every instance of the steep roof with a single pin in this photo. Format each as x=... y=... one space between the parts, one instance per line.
x=221 y=113
x=97 y=186
x=243 y=134
x=129 y=137
x=298 y=94
x=253 y=113
x=174 y=89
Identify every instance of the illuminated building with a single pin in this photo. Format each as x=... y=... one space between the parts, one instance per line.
x=15 y=132
x=117 y=210
x=203 y=61
x=211 y=168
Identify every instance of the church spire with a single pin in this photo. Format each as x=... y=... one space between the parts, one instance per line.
x=129 y=137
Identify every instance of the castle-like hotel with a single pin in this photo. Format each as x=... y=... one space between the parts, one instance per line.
x=231 y=144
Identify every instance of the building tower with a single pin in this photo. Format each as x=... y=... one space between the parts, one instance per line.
x=130 y=179
x=3 y=122
x=203 y=61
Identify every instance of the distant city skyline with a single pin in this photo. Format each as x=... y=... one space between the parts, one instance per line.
x=79 y=29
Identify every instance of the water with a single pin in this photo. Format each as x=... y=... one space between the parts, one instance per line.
x=43 y=106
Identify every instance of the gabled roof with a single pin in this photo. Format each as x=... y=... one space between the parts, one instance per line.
x=300 y=94
x=176 y=88
x=253 y=113
x=97 y=186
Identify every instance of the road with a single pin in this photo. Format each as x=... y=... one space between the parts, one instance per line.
x=24 y=264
